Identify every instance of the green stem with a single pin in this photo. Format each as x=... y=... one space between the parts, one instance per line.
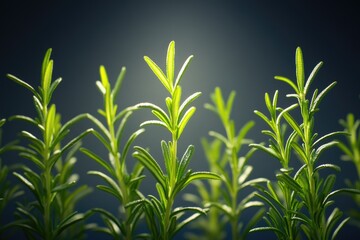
x=47 y=205
x=312 y=204
x=167 y=222
x=120 y=171
x=47 y=178
x=234 y=193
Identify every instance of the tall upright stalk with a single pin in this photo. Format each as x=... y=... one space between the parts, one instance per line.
x=120 y=183
x=232 y=206
x=40 y=217
x=162 y=218
x=306 y=192
x=350 y=146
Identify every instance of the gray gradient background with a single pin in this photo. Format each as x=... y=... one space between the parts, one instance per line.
x=237 y=45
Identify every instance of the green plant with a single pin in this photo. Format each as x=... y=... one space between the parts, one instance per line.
x=351 y=150
x=307 y=194
x=120 y=183
x=234 y=183
x=8 y=191
x=211 y=226
x=51 y=214
x=163 y=220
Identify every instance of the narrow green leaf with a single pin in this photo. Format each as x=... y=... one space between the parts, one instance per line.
x=99 y=160
x=33 y=158
x=300 y=152
x=170 y=63
x=155 y=122
x=312 y=77
x=50 y=125
x=149 y=162
x=22 y=83
x=154 y=108
x=24 y=118
x=53 y=86
x=187 y=101
x=245 y=174
x=339 y=227
x=111 y=183
x=284 y=111
x=262 y=229
x=201 y=175
x=261 y=115
x=220 y=137
x=118 y=82
x=323 y=147
x=288 y=81
x=69 y=221
x=25 y=181
x=121 y=127
x=47 y=81
x=291 y=183
x=315 y=103
x=63 y=186
x=45 y=62
x=75 y=140
x=182 y=70
x=185 y=119
x=300 y=72
x=326 y=166
x=342 y=190
x=103 y=76
x=294 y=125
x=184 y=162
x=129 y=142
x=159 y=73
x=265 y=149
x=101 y=88
x=243 y=132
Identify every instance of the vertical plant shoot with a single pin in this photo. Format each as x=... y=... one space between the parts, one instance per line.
x=8 y=191
x=162 y=218
x=230 y=204
x=119 y=182
x=51 y=214
x=213 y=225
x=307 y=194
x=351 y=152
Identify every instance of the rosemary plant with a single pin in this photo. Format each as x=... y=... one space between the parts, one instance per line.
x=211 y=226
x=307 y=195
x=52 y=213
x=162 y=218
x=120 y=183
x=8 y=191
x=230 y=204
x=351 y=149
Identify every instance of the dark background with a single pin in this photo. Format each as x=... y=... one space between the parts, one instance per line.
x=238 y=45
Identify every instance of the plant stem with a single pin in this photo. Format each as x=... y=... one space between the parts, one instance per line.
x=234 y=193
x=170 y=196
x=47 y=177
x=120 y=171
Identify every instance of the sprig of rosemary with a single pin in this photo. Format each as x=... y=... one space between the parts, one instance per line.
x=51 y=214
x=306 y=194
x=230 y=204
x=351 y=152
x=163 y=220
x=119 y=182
